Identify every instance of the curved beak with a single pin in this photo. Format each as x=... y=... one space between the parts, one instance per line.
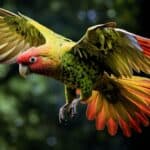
x=23 y=70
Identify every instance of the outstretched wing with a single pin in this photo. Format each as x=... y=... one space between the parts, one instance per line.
x=116 y=50
x=17 y=34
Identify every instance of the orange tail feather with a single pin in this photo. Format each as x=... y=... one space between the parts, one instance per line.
x=91 y=108
x=112 y=127
x=142 y=118
x=101 y=120
x=134 y=124
x=125 y=128
x=128 y=110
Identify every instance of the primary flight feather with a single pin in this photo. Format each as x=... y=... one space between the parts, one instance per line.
x=99 y=66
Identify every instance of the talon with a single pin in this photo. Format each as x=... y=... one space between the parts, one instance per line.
x=73 y=107
x=68 y=110
x=62 y=113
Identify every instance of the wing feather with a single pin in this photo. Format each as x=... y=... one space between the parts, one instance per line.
x=116 y=50
x=17 y=34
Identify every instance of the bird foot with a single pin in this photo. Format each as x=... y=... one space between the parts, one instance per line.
x=73 y=107
x=63 y=113
x=68 y=110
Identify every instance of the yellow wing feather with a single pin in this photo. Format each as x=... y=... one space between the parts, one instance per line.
x=18 y=33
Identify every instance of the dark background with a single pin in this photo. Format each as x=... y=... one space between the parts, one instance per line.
x=29 y=107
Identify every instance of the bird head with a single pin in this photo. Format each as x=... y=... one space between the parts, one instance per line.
x=37 y=60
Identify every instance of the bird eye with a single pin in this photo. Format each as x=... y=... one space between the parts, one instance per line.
x=32 y=59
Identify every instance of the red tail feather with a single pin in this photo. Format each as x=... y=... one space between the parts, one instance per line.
x=142 y=118
x=145 y=44
x=125 y=128
x=112 y=126
x=91 y=109
x=135 y=124
x=101 y=120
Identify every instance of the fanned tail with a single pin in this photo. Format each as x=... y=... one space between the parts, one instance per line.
x=120 y=102
x=144 y=43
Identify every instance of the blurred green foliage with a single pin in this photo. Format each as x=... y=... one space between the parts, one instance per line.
x=29 y=107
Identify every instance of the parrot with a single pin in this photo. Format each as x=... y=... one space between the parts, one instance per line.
x=102 y=70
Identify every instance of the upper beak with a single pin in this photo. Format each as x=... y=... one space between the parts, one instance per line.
x=23 y=70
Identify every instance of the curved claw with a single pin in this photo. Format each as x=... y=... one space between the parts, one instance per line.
x=68 y=110
x=73 y=107
x=62 y=113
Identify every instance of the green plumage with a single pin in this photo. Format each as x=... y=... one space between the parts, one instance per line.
x=79 y=73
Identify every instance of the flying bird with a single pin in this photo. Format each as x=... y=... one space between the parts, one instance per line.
x=98 y=70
